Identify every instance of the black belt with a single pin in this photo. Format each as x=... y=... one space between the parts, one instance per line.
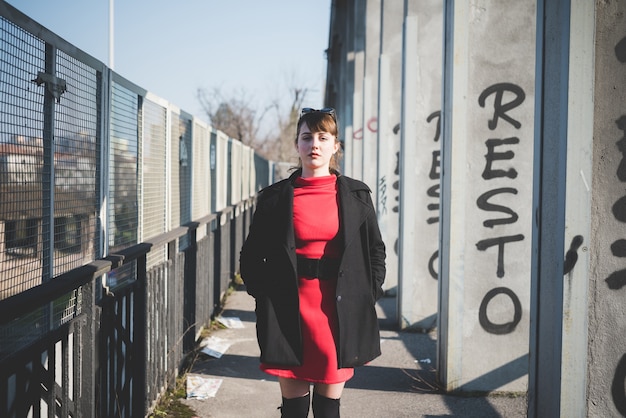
x=322 y=268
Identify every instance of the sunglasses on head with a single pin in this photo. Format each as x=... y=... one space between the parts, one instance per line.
x=327 y=110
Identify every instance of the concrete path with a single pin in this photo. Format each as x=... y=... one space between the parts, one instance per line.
x=400 y=383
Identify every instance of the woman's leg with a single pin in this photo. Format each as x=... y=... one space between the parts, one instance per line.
x=326 y=400
x=332 y=391
x=296 y=398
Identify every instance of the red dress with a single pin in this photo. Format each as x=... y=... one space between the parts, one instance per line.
x=316 y=225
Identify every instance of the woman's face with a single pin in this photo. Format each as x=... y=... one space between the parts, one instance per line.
x=315 y=150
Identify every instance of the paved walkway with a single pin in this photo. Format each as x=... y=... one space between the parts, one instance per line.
x=398 y=384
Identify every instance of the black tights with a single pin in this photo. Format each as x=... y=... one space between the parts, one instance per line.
x=323 y=407
x=295 y=407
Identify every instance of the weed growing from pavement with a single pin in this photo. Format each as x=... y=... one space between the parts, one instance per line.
x=170 y=405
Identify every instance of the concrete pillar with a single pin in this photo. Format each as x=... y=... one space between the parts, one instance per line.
x=577 y=211
x=389 y=102
x=606 y=368
x=358 y=35
x=345 y=105
x=369 y=128
x=419 y=165
x=356 y=152
x=486 y=195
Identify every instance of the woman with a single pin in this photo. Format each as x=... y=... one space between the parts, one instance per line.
x=314 y=261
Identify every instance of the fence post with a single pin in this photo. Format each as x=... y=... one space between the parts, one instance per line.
x=88 y=354
x=190 y=279
x=47 y=193
x=140 y=337
x=217 y=255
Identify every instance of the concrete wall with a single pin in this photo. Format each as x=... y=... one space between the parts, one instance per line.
x=606 y=367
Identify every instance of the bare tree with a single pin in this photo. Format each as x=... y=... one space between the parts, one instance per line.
x=282 y=139
x=236 y=116
x=239 y=118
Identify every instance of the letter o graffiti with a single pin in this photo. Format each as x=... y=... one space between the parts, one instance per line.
x=372 y=124
x=618 y=390
x=499 y=329
x=431 y=265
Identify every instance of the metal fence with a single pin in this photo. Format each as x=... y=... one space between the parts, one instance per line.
x=121 y=218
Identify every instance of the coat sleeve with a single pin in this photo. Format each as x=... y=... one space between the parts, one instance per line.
x=377 y=253
x=252 y=258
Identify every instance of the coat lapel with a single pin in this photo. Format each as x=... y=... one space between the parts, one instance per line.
x=287 y=220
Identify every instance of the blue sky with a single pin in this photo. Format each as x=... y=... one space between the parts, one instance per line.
x=172 y=48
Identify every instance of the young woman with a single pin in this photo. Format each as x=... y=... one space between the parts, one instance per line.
x=314 y=261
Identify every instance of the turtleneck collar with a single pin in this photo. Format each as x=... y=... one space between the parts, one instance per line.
x=315 y=181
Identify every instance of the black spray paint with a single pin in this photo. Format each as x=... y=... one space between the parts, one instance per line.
x=498 y=159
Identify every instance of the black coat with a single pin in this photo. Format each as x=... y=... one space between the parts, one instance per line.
x=268 y=268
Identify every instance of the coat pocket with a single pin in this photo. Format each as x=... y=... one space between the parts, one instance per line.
x=278 y=333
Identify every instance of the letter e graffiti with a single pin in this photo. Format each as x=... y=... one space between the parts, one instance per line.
x=491 y=156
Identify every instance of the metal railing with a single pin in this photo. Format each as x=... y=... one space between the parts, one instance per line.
x=121 y=219
x=119 y=352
